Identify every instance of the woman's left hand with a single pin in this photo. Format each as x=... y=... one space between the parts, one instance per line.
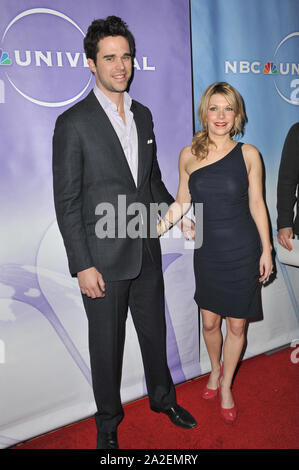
x=266 y=266
x=187 y=227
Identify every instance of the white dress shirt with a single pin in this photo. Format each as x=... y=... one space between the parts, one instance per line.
x=127 y=133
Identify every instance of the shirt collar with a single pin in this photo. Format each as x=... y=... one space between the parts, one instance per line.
x=106 y=103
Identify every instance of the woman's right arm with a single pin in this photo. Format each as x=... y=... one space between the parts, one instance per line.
x=182 y=203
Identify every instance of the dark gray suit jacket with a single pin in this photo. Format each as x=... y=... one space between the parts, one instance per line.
x=288 y=182
x=89 y=168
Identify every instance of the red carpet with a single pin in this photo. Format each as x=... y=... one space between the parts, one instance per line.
x=265 y=390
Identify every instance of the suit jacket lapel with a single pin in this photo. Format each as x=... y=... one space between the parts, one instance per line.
x=140 y=126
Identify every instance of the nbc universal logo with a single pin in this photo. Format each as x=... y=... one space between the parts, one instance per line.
x=282 y=69
x=44 y=68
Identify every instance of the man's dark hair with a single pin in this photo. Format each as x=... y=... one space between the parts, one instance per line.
x=99 y=29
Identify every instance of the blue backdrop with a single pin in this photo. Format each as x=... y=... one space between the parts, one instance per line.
x=255 y=47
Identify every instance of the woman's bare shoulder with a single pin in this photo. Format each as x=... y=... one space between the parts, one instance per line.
x=186 y=151
x=250 y=150
x=251 y=156
x=186 y=154
x=251 y=153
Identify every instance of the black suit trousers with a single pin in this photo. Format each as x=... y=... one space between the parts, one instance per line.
x=144 y=295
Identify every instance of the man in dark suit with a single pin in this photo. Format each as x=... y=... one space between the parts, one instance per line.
x=104 y=148
x=287 y=189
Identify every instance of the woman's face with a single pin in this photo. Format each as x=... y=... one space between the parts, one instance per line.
x=220 y=116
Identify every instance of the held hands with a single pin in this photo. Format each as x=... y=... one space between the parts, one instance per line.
x=91 y=283
x=283 y=237
x=266 y=266
x=186 y=225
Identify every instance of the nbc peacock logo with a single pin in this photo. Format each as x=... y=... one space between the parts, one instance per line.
x=4 y=58
x=284 y=69
x=270 y=68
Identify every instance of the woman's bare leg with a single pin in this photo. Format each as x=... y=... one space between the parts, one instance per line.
x=233 y=346
x=213 y=339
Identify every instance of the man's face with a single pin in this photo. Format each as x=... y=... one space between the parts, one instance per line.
x=113 y=69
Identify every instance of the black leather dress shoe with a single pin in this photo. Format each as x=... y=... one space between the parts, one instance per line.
x=107 y=440
x=180 y=417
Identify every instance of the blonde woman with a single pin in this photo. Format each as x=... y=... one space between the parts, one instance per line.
x=235 y=256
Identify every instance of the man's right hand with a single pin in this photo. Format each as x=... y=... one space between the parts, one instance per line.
x=283 y=237
x=91 y=283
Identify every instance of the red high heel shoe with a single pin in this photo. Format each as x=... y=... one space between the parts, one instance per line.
x=209 y=393
x=229 y=415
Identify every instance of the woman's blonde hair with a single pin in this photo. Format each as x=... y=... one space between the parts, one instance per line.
x=201 y=140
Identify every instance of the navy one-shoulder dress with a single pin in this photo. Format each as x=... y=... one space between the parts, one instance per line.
x=226 y=266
